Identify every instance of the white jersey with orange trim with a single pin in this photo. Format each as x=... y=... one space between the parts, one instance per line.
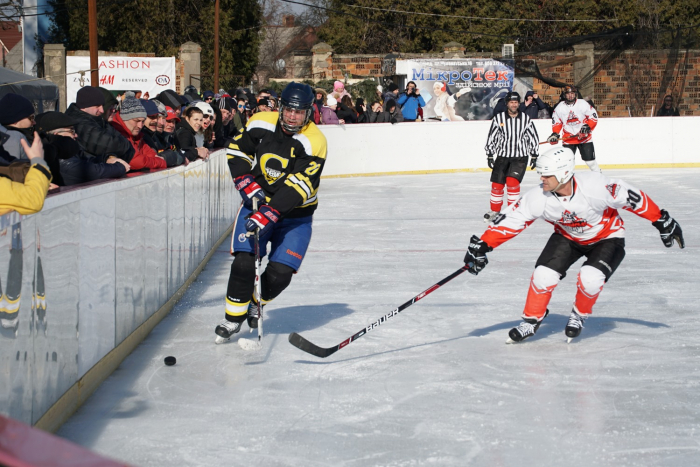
x=587 y=216
x=571 y=117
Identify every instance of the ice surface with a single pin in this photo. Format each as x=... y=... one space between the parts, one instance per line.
x=436 y=385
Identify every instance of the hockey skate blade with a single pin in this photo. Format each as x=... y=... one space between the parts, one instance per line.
x=569 y=339
x=510 y=341
x=249 y=344
x=221 y=340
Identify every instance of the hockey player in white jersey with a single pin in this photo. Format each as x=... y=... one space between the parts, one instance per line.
x=584 y=211
x=576 y=119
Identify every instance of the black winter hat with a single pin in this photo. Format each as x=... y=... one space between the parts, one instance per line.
x=110 y=100
x=14 y=108
x=393 y=87
x=49 y=121
x=89 y=97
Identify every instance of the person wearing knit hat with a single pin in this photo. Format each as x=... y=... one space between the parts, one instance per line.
x=160 y=106
x=339 y=91
x=17 y=121
x=392 y=93
x=129 y=123
x=95 y=134
x=90 y=100
x=14 y=108
x=131 y=108
x=208 y=96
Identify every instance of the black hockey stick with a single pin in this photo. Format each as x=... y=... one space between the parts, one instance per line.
x=300 y=342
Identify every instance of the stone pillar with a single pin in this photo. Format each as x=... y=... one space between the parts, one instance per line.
x=55 y=71
x=321 y=61
x=583 y=67
x=191 y=62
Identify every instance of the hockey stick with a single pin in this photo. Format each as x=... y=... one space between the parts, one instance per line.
x=247 y=344
x=301 y=343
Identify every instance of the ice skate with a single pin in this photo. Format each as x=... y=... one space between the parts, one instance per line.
x=574 y=326
x=253 y=315
x=526 y=329
x=488 y=217
x=225 y=330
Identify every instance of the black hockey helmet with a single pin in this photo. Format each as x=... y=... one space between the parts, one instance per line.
x=296 y=96
x=568 y=90
x=512 y=96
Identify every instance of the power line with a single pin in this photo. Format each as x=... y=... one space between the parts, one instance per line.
x=610 y=33
x=488 y=18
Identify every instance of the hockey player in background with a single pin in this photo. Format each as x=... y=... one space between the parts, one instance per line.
x=583 y=209
x=577 y=119
x=277 y=159
x=512 y=140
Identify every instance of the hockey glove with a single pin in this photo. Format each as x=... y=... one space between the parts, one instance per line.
x=533 y=161
x=553 y=138
x=669 y=230
x=264 y=220
x=476 y=255
x=489 y=160
x=585 y=129
x=249 y=189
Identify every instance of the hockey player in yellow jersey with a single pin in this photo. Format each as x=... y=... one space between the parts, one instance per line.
x=277 y=159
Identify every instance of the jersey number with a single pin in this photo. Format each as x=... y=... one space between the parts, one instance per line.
x=632 y=199
x=312 y=169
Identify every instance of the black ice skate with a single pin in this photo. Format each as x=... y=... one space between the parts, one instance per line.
x=225 y=330
x=526 y=329
x=574 y=326
x=488 y=217
x=253 y=315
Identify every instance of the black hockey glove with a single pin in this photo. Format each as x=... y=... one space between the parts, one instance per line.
x=669 y=230
x=533 y=161
x=553 y=138
x=585 y=129
x=489 y=160
x=476 y=255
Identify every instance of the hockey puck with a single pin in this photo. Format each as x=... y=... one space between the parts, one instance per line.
x=170 y=361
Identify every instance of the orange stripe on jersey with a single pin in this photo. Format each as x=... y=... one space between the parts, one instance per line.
x=497 y=235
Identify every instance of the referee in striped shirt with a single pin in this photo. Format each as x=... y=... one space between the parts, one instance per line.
x=512 y=139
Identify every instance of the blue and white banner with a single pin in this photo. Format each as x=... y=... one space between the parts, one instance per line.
x=459 y=89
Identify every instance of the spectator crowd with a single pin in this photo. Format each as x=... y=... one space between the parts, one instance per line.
x=103 y=136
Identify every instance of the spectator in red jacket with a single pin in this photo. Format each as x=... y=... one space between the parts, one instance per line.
x=129 y=123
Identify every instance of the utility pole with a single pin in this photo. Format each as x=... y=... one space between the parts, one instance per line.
x=92 y=20
x=216 y=47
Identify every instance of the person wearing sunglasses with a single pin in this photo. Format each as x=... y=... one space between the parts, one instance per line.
x=667 y=109
x=240 y=118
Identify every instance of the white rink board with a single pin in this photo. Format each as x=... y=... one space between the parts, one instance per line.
x=436 y=385
x=444 y=146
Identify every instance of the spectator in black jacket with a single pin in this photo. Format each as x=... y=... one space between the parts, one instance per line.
x=59 y=137
x=346 y=111
x=532 y=105
x=95 y=134
x=668 y=110
x=185 y=135
x=363 y=116
x=149 y=131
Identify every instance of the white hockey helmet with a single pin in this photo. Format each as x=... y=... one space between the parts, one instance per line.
x=559 y=162
x=205 y=108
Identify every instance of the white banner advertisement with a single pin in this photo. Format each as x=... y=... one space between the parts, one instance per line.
x=148 y=75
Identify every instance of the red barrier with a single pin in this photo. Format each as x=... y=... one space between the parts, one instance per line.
x=24 y=446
